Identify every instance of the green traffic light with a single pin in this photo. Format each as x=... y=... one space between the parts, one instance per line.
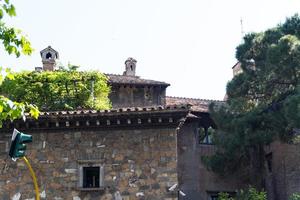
x=18 y=146
x=25 y=138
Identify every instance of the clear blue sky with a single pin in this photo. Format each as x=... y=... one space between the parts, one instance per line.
x=187 y=43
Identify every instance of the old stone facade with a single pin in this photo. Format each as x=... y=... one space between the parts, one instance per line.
x=132 y=91
x=134 y=152
x=147 y=147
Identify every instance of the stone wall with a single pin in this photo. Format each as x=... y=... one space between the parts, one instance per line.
x=135 y=96
x=283 y=178
x=137 y=164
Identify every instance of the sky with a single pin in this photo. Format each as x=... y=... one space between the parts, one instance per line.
x=187 y=43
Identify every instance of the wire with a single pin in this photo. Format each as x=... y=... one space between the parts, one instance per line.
x=36 y=187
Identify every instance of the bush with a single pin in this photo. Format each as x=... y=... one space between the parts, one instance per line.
x=295 y=196
x=59 y=90
x=248 y=194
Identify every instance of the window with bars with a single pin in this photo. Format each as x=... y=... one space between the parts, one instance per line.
x=91 y=177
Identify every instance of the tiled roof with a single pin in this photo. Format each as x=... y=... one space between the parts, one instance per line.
x=133 y=80
x=123 y=111
x=200 y=105
x=138 y=117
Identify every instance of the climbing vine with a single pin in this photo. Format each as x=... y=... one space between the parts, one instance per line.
x=59 y=90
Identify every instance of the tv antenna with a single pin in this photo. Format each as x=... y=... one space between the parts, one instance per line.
x=242 y=28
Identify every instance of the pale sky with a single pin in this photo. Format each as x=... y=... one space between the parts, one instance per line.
x=187 y=43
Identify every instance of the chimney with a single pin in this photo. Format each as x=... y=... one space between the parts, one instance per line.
x=49 y=57
x=130 y=66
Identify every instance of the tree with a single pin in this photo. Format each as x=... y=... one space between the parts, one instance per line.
x=263 y=102
x=14 y=43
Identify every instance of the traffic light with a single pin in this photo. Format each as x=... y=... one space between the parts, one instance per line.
x=18 y=146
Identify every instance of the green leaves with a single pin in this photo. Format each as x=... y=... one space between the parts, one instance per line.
x=263 y=102
x=247 y=194
x=33 y=110
x=17 y=44
x=59 y=90
x=13 y=40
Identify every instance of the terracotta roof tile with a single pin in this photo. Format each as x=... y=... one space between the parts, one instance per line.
x=132 y=80
x=200 y=105
x=126 y=110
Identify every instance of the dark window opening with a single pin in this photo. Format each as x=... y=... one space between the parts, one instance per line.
x=205 y=135
x=91 y=177
x=48 y=55
x=131 y=67
x=269 y=161
x=216 y=195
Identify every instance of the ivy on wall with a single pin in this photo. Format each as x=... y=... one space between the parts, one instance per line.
x=59 y=90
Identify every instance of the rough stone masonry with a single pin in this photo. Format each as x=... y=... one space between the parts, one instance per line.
x=138 y=161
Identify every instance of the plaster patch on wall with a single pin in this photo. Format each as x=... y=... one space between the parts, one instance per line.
x=43 y=194
x=118 y=196
x=76 y=198
x=70 y=171
x=16 y=196
x=139 y=194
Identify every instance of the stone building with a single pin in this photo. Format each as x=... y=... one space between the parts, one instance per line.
x=148 y=146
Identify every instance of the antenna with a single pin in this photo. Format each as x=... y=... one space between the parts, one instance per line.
x=242 y=28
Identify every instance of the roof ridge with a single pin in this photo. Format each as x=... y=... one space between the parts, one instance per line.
x=190 y=98
x=111 y=74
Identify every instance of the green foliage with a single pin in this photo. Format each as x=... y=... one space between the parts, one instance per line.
x=14 y=43
x=11 y=110
x=251 y=194
x=295 y=196
x=224 y=196
x=248 y=194
x=59 y=90
x=263 y=102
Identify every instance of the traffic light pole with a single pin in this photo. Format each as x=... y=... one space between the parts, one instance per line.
x=36 y=187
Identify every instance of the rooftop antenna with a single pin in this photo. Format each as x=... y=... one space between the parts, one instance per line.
x=242 y=28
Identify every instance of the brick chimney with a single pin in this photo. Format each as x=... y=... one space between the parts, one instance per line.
x=49 y=57
x=130 y=65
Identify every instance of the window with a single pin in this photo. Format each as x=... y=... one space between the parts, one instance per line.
x=213 y=197
x=269 y=157
x=205 y=135
x=90 y=176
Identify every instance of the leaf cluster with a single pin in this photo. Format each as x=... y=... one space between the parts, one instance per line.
x=14 y=43
x=11 y=109
x=295 y=196
x=59 y=90
x=13 y=40
x=248 y=194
